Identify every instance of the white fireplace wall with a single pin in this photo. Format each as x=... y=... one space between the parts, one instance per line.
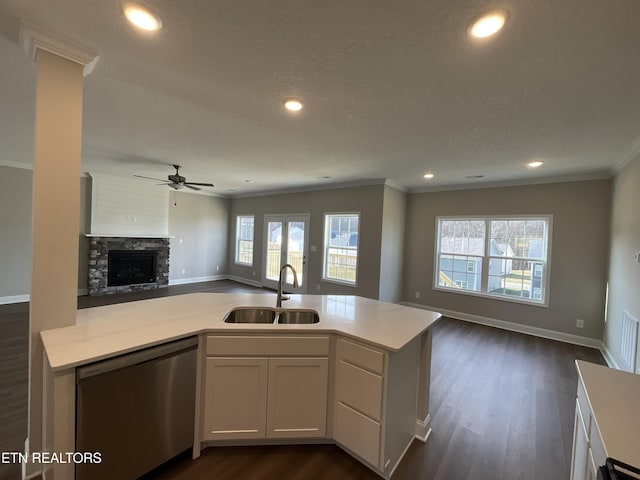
x=128 y=207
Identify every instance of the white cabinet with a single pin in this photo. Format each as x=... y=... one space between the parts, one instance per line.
x=264 y=396
x=581 y=452
x=588 y=450
x=375 y=402
x=297 y=397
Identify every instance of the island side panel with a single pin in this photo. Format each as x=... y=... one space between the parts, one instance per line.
x=423 y=421
x=58 y=419
x=401 y=396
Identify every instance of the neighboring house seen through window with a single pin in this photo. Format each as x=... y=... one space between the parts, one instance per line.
x=501 y=257
x=340 y=263
x=244 y=239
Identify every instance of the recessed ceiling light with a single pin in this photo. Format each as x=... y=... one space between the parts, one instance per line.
x=249 y=181
x=535 y=164
x=141 y=17
x=488 y=24
x=429 y=176
x=473 y=177
x=293 y=105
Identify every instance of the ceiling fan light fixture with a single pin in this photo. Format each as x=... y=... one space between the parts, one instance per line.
x=141 y=17
x=293 y=105
x=488 y=24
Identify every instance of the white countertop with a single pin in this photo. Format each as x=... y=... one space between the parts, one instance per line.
x=102 y=332
x=614 y=397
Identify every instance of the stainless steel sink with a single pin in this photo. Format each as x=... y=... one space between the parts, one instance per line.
x=250 y=315
x=298 y=316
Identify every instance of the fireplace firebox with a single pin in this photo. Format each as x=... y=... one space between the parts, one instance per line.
x=131 y=267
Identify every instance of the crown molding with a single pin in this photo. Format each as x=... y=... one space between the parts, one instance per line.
x=33 y=38
x=630 y=153
x=601 y=175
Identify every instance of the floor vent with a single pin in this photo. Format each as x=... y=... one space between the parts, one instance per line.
x=629 y=341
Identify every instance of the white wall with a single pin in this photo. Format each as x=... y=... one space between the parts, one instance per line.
x=578 y=267
x=128 y=207
x=199 y=225
x=624 y=270
x=392 y=244
x=15 y=232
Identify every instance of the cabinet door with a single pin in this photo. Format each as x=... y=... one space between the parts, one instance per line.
x=579 y=468
x=235 y=400
x=297 y=405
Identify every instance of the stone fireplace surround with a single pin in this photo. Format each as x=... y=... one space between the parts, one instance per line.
x=98 y=262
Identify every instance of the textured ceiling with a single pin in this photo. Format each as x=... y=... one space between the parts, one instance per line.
x=391 y=90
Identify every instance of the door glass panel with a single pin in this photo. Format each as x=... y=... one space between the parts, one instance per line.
x=295 y=250
x=274 y=248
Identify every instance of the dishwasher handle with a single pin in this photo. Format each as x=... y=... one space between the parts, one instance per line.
x=136 y=358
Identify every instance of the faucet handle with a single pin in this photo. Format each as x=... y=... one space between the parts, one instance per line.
x=285 y=297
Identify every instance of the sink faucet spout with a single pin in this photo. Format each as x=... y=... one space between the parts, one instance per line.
x=280 y=298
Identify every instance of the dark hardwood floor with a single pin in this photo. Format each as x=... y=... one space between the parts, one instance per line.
x=502 y=407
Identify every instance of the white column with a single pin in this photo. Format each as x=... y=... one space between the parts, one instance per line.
x=60 y=67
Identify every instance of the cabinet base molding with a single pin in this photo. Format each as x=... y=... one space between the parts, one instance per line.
x=270 y=442
x=423 y=429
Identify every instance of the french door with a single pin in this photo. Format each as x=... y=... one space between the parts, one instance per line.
x=286 y=240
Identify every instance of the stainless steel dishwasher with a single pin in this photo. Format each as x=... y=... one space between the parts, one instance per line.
x=137 y=410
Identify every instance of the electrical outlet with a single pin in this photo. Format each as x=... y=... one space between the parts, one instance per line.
x=318 y=287
x=254 y=273
x=579 y=323
x=184 y=271
x=417 y=294
x=217 y=268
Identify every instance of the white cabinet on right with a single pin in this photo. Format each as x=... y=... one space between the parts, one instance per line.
x=588 y=449
x=375 y=402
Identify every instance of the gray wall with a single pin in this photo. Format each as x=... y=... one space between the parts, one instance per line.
x=201 y=222
x=392 y=245
x=15 y=231
x=578 y=268
x=366 y=200
x=624 y=271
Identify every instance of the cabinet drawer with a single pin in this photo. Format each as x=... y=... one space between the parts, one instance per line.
x=360 y=355
x=267 y=345
x=357 y=433
x=360 y=389
x=584 y=407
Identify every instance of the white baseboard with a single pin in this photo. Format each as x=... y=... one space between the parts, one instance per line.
x=26 y=297
x=184 y=281
x=14 y=299
x=423 y=429
x=609 y=358
x=515 y=327
x=246 y=281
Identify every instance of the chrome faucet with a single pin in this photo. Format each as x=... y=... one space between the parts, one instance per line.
x=280 y=297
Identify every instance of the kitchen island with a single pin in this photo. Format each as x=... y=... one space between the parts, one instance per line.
x=363 y=370
x=607 y=423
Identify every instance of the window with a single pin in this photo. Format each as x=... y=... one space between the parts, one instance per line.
x=244 y=239
x=340 y=262
x=500 y=257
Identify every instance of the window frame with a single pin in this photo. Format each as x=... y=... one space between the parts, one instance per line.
x=236 y=258
x=325 y=247
x=484 y=276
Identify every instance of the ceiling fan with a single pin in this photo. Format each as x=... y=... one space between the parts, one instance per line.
x=177 y=181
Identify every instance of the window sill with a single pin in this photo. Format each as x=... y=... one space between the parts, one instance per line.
x=522 y=301
x=340 y=282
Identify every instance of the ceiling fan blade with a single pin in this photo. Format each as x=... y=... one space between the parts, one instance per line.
x=188 y=185
x=150 y=178
x=199 y=184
